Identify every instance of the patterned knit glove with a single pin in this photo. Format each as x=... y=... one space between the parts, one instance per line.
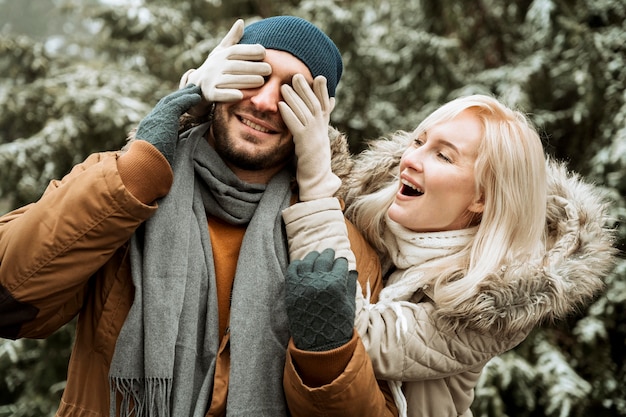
x=160 y=127
x=320 y=301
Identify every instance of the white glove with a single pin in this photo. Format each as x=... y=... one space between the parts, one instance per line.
x=229 y=68
x=306 y=112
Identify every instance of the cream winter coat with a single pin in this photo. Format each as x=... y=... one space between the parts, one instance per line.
x=437 y=355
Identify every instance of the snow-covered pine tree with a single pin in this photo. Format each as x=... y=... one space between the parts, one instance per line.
x=562 y=61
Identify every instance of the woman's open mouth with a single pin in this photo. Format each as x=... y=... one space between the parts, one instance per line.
x=410 y=190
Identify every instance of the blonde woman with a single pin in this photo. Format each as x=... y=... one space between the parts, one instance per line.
x=481 y=240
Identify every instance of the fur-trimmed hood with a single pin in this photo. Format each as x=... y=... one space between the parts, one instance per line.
x=580 y=250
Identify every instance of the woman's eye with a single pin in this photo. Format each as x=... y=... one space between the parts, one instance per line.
x=444 y=157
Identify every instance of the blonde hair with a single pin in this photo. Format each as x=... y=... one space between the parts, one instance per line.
x=510 y=174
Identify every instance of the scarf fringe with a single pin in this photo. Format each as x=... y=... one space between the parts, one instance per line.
x=402 y=325
x=399 y=398
x=144 y=397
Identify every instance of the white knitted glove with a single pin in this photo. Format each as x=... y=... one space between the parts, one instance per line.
x=229 y=68
x=306 y=113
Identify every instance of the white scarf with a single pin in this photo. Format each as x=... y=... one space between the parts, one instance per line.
x=409 y=251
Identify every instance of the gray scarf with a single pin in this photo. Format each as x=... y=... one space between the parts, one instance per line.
x=164 y=360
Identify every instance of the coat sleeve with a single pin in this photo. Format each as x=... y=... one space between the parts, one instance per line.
x=320 y=224
x=406 y=343
x=354 y=392
x=50 y=249
x=340 y=382
x=317 y=225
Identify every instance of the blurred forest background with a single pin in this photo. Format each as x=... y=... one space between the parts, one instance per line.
x=77 y=75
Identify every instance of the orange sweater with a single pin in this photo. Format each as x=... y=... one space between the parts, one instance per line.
x=226 y=240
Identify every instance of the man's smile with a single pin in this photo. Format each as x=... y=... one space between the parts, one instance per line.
x=254 y=125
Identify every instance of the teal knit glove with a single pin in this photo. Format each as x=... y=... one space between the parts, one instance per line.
x=320 y=294
x=160 y=127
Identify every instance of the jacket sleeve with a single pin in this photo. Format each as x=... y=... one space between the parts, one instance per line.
x=50 y=249
x=354 y=392
x=340 y=382
x=317 y=225
x=320 y=224
x=406 y=343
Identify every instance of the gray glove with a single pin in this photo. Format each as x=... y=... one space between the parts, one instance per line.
x=320 y=301
x=160 y=127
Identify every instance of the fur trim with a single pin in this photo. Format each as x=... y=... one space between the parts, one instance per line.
x=341 y=159
x=579 y=255
x=580 y=251
x=375 y=166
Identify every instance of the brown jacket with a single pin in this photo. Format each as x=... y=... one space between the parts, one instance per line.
x=66 y=256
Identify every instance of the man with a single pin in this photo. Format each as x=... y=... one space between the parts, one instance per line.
x=181 y=308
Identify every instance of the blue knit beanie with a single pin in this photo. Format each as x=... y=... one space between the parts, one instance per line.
x=303 y=40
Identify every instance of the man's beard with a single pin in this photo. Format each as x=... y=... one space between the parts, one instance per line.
x=224 y=146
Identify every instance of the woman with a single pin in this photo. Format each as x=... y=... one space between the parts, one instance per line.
x=482 y=241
